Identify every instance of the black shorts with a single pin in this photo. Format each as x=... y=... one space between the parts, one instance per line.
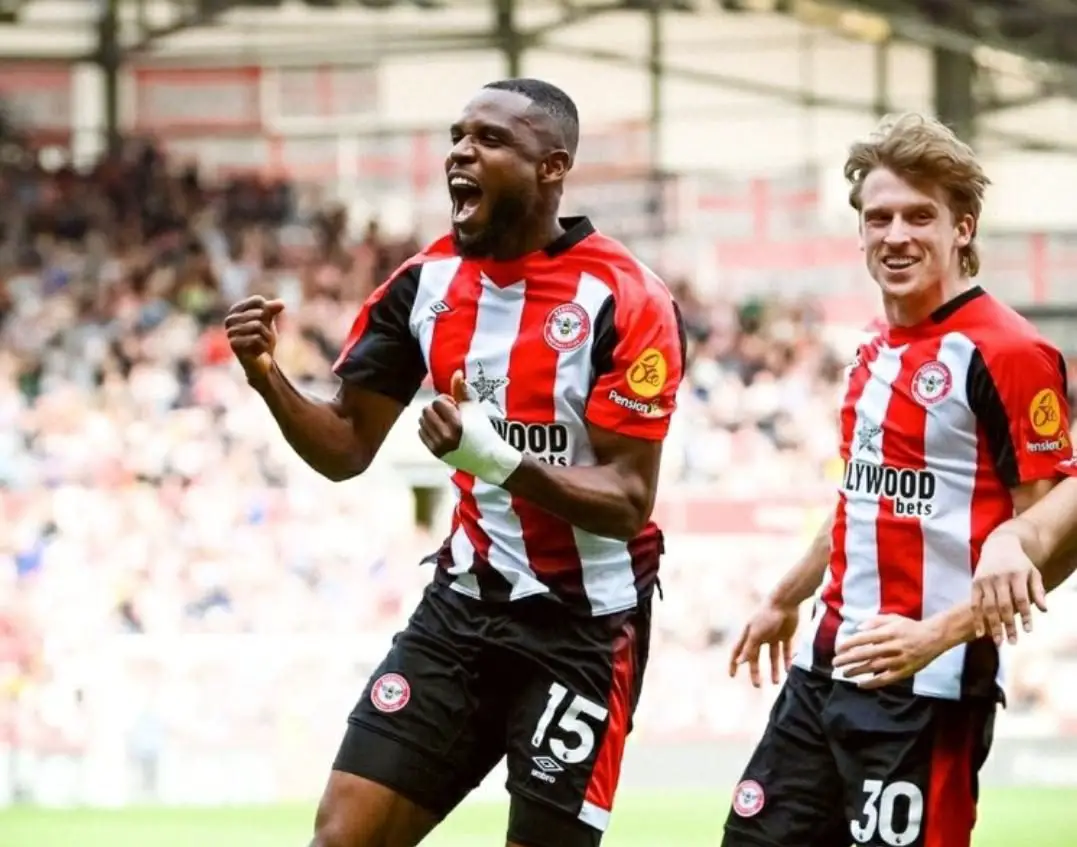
x=468 y=682
x=883 y=768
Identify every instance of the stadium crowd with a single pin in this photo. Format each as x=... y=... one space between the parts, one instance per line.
x=145 y=492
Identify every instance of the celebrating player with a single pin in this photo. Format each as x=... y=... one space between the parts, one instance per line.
x=953 y=418
x=557 y=358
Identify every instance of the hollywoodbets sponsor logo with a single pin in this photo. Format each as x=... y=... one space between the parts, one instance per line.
x=911 y=491
x=548 y=443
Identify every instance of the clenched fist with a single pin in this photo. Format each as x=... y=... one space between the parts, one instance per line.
x=251 y=333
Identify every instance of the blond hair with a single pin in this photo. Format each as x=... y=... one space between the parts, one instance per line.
x=923 y=151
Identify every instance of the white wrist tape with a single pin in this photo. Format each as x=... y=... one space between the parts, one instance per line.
x=482 y=451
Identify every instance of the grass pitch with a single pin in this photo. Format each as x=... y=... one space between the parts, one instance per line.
x=1010 y=818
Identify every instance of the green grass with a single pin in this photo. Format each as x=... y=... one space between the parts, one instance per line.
x=1007 y=819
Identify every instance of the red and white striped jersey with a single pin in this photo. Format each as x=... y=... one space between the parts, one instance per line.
x=938 y=424
x=574 y=335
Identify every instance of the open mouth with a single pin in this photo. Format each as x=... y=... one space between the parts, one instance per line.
x=899 y=263
x=466 y=195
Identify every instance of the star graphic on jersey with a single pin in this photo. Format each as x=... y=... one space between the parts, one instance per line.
x=485 y=388
x=865 y=438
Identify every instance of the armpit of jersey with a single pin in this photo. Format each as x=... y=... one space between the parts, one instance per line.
x=1018 y=392
x=638 y=365
x=381 y=354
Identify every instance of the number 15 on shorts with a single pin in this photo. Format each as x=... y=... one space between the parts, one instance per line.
x=571 y=739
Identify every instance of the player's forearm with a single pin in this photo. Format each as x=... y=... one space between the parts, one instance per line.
x=803 y=579
x=315 y=429
x=599 y=499
x=1055 y=560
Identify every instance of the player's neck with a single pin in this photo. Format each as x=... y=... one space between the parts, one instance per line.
x=534 y=236
x=912 y=310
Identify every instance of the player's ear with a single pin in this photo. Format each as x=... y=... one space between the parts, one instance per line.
x=964 y=230
x=554 y=167
x=860 y=234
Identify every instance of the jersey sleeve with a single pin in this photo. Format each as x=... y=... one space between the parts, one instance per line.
x=381 y=353
x=1019 y=396
x=637 y=362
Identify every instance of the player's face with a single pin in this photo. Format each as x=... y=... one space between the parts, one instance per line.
x=493 y=171
x=909 y=235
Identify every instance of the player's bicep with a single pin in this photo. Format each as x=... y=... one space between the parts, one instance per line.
x=636 y=460
x=371 y=414
x=1019 y=398
x=638 y=362
x=381 y=354
x=1028 y=494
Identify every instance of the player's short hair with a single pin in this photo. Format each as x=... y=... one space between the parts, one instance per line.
x=552 y=101
x=923 y=151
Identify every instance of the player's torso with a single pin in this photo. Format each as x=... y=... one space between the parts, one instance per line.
x=917 y=497
x=525 y=347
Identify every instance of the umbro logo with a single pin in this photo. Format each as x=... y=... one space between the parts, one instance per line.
x=440 y=307
x=546 y=764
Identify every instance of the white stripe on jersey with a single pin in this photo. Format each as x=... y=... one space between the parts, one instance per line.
x=861 y=590
x=950 y=451
x=434 y=281
x=497 y=324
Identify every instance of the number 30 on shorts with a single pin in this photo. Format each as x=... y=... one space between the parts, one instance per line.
x=878 y=815
x=577 y=736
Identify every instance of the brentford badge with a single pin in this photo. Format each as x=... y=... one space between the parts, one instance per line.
x=390 y=693
x=931 y=383
x=748 y=799
x=567 y=327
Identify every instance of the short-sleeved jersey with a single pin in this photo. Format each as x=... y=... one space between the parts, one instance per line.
x=939 y=423
x=574 y=335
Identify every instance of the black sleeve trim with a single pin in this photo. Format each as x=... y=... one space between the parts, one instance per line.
x=987 y=404
x=605 y=341
x=386 y=357
x=682 y=334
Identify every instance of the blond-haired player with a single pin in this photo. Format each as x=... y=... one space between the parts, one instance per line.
x=953 y=419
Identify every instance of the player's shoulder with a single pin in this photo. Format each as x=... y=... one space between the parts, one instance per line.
x=632 y=284
x=1000 y=331
x=436 y=251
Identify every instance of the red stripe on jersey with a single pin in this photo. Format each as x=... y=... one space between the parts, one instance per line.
x=448 y=354
x=550 y=542
x=950 y=815
x=606 y=773
x=900 y=538
x=826 y=635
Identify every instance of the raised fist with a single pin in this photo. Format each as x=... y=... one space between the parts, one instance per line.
x=251 y=333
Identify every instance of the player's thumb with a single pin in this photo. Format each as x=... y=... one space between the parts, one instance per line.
x=458 y=388
x=271 y=310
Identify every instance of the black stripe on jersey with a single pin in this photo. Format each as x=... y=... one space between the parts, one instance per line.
x=386 y=358
x=605 y=340
x=987 y=405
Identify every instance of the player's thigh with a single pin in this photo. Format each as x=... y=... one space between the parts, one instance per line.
x=791 y=791
x=428 y=727
x=911 y=767
x=577 y=685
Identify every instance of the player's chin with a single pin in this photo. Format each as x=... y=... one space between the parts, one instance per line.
x=471 y=236
x=901 y=283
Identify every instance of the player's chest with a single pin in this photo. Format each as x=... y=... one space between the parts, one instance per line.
x=526 y=348
x=906 y=408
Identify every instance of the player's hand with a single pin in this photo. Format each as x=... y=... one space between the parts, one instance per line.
x=773 y=626
x=1005 y=584
x=251 y=333
x=887 y=649
x=441 y=426
x=458 y=431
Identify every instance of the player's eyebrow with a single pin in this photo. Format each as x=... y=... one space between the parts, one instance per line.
x=906 y=208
